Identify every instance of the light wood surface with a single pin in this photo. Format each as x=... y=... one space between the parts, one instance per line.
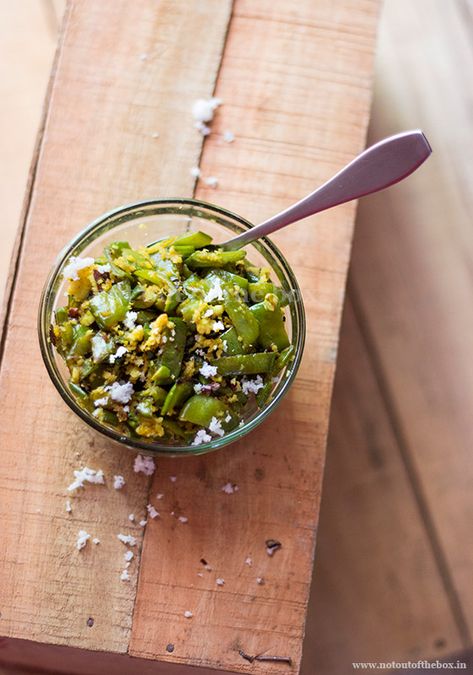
x=410 y=286
x=413 y=285
x=27 y=44
x=377 y=593
x=280 y=153
x=299 y=112
x=52 y=589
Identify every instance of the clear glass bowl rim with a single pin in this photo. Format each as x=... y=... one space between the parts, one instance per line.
x=153 y=448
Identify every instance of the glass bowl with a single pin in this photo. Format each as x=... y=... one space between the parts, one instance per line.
x=143 y=223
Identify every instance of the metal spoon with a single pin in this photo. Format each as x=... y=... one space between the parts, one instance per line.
x=378 y=167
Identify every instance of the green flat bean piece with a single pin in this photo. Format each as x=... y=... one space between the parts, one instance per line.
x=246 y=364
x=158 y=394
x=201 y=409
x=184 y=251
x=271 y=326
x=81 y=341
x=264 y=393
x=172 y=351
x=246 y=325
x=285 y=357
x=214 y=258
x=226 y=279
x=110 y=307
x=196 y=239
x=259 y=289
x=231 y=343
x=176 y=397
x=61 y=315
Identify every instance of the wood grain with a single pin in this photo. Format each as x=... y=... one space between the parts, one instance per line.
x=293 y=129
x=125 y=73
x=98 y=151
x=377 y=594
x=27 y=50
x=412 y=276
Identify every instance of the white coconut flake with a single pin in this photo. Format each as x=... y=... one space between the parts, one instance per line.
x=144 y=464
x=252 y=386
x=208 y=568
x=104 y=269
x=129 y=555
x=188 y=614
x=121 y=351
x=200 y=574
x=129 y=320
x=198 y=387
x=131 y=517
x=201 y=437
x=68 y=506
x=249 y=561
x=228 y=418
x=100 y=402
x=82 y=539
x=124 y=576
x=228 y=136
x=211 y=181
x=173 y=479
x=218 y=326
x=230 y=488
x=142 y=523
x=208 y=312
x=220 y=582
x=195 y=172
x=127 y=539
x=215 y=427
x=74 y=265
x=152 y=511
x=203 y=109
x=118 y=482
x=86 y=475
x=215 y=292
x=207 y=370
x=160 y=495
x=183 y=519
x=260 y=581
x=95 y=541
x=203 y=128
x=121 y=392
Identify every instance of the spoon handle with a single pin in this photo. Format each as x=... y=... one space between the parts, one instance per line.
x=378 y=167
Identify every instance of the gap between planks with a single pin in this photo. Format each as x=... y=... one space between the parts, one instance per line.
x=425 y=514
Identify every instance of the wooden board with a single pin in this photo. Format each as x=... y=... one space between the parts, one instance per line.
x=280 y=153
x=98 y=151
x=27 y=42
x=378 y=593
x=300 y=110
x=412 y=275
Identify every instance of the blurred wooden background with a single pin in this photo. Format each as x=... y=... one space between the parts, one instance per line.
x=395 y=554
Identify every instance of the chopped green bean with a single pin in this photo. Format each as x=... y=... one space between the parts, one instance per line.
x=201 y=410
x=271 y=326
x=214 y=258
x=246 y=364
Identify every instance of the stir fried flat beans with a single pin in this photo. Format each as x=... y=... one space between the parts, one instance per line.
x=171 y=342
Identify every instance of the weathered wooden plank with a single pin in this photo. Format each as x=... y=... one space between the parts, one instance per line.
x=412 y=273
x=98 y=151
x=377 y=593
x=295 y=81
x=26 y=43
